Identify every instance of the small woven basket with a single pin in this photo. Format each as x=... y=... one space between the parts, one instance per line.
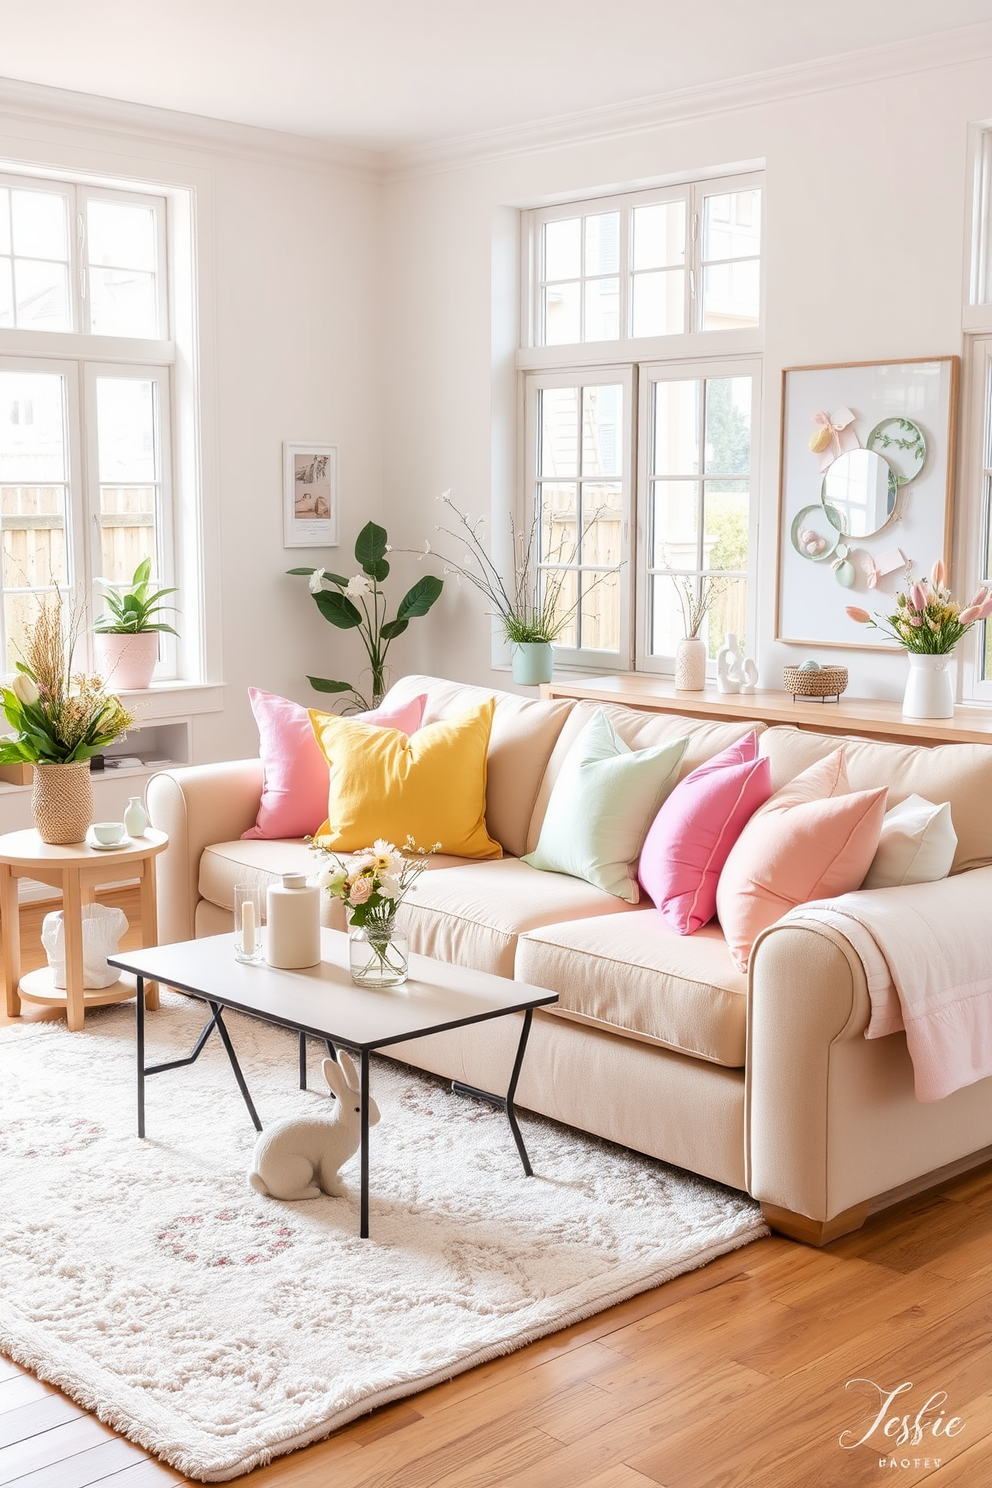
x=827 y=682
x=62 y=802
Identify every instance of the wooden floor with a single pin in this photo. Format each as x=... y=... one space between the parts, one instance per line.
x=735 y=1376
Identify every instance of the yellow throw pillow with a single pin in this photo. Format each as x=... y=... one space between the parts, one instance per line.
x=430 y=786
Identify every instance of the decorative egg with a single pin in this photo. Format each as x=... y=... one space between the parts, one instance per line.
x=820 y=439
x=846 y=574
x=811 y=666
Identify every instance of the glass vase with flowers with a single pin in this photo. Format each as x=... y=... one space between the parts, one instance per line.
x=372 y=885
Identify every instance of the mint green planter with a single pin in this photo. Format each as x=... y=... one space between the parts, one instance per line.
x=533 y=662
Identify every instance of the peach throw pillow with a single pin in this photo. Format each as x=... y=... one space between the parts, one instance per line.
x=812 y=840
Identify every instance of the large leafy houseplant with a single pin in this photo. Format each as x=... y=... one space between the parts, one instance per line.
x=360 y=604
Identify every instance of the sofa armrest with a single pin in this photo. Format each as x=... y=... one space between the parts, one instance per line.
x=831 y=1118
x=197 y=806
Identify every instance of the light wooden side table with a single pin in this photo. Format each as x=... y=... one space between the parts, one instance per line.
x=76 y=871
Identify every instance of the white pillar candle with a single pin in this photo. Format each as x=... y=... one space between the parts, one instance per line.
x=247 y=927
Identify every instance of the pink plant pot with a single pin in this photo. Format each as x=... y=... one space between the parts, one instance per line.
x=125 y=662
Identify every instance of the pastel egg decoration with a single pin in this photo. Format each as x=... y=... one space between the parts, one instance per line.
x=810 y=666
x=813 y=536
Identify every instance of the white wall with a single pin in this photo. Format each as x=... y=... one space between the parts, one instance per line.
x=865 y=211
x=290 y=311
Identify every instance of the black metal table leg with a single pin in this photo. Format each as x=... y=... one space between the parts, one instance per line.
x=363 y=1227
x=140 y=1041
x=511 y=1091
x=303 y=1060
x=226 y=1040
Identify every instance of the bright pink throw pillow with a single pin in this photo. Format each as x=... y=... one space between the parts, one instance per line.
x=690 y=839
x=295 y=772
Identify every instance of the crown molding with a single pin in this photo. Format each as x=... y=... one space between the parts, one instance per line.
x=36 y=103
x=843 y=70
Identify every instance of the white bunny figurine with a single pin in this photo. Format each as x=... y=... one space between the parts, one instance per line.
x=299 y=1157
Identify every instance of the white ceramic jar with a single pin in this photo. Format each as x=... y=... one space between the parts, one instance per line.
x=293 y=923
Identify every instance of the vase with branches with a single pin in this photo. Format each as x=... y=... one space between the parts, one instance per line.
x=697 y=597
x=530 y=605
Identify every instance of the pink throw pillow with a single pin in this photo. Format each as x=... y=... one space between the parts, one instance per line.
x=295 y=772
x=690 y=839
x=812 y=840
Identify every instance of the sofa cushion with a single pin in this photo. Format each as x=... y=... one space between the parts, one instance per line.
x=473 y=915
x=958 y=773
x=814 y=839
x=294 y=781
x=917 y=845
x=430 y=787
x=637 y=977
x=261 y=862
x=690 y=839
x=523 y=735
x=603 y=802
x=638 y=730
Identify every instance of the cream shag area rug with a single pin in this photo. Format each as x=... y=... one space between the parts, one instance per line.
x=218 y=1328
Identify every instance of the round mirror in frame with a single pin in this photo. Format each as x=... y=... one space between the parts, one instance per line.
x=859 y=493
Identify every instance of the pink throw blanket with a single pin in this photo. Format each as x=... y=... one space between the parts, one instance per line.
x=927 y=954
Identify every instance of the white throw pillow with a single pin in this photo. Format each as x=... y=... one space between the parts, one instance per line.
x=917 y=845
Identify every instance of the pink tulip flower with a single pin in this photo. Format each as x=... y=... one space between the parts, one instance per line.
x=970 y=615
x=985 y=608
x=918 y=597
x=937 y=575
x=979 y=597
x=861 y=616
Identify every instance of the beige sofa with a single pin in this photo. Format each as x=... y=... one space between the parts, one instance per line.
x=764 y=1082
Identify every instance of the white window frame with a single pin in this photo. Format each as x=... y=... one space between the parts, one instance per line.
x=81 y=356
x=976 y=514
x=678 y=372
x=575 y=656
x=692 y=341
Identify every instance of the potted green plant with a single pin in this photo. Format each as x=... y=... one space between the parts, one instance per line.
x=359 y=604
x=60 y=720
x=127 y=636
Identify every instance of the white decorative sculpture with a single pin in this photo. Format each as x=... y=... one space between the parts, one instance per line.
x=728 y=665
x=299 y=1157
x=749 y=676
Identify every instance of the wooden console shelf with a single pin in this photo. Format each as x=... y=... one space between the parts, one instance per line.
x=869 y=717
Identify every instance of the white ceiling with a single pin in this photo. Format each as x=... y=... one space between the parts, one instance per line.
x=384 y=74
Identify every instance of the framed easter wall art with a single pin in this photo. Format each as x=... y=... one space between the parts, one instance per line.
x=865 y=490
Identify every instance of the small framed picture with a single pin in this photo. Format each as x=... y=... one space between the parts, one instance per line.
x=310 y=495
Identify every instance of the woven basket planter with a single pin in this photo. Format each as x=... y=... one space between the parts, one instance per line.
x=827 y=682
x=62 y=802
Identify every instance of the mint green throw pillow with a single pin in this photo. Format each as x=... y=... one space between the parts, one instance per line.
x=605 y=798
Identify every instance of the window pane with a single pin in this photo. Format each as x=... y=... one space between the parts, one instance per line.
x=732 y=225
x=602 y=243
x=560 y=587
x=6 y=292
x=602 y=515
x=127 y=522
x=4 y=220
x=600 y=622
x=667 y=626
x=561 y=314
x=602 y=310
x=122 y=303
x=725 y=506
x=125 y=429
x=563 y=249
x=41 y=292
x=39 y=224
x=659 y=303
x=559 y=454
x=559 y=508
x=32 y=429
x=34 y=550
x=121 y=235
x=730 y=296
x=19 y=612
x=675 y=524
x=728 y=426
x=602 y=433
x=676 y=428
x=659 y=235
x=728 y=612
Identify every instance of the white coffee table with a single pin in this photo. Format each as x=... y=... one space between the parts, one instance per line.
x=323 y=1002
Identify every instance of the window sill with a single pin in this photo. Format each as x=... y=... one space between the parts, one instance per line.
x=175 y=699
